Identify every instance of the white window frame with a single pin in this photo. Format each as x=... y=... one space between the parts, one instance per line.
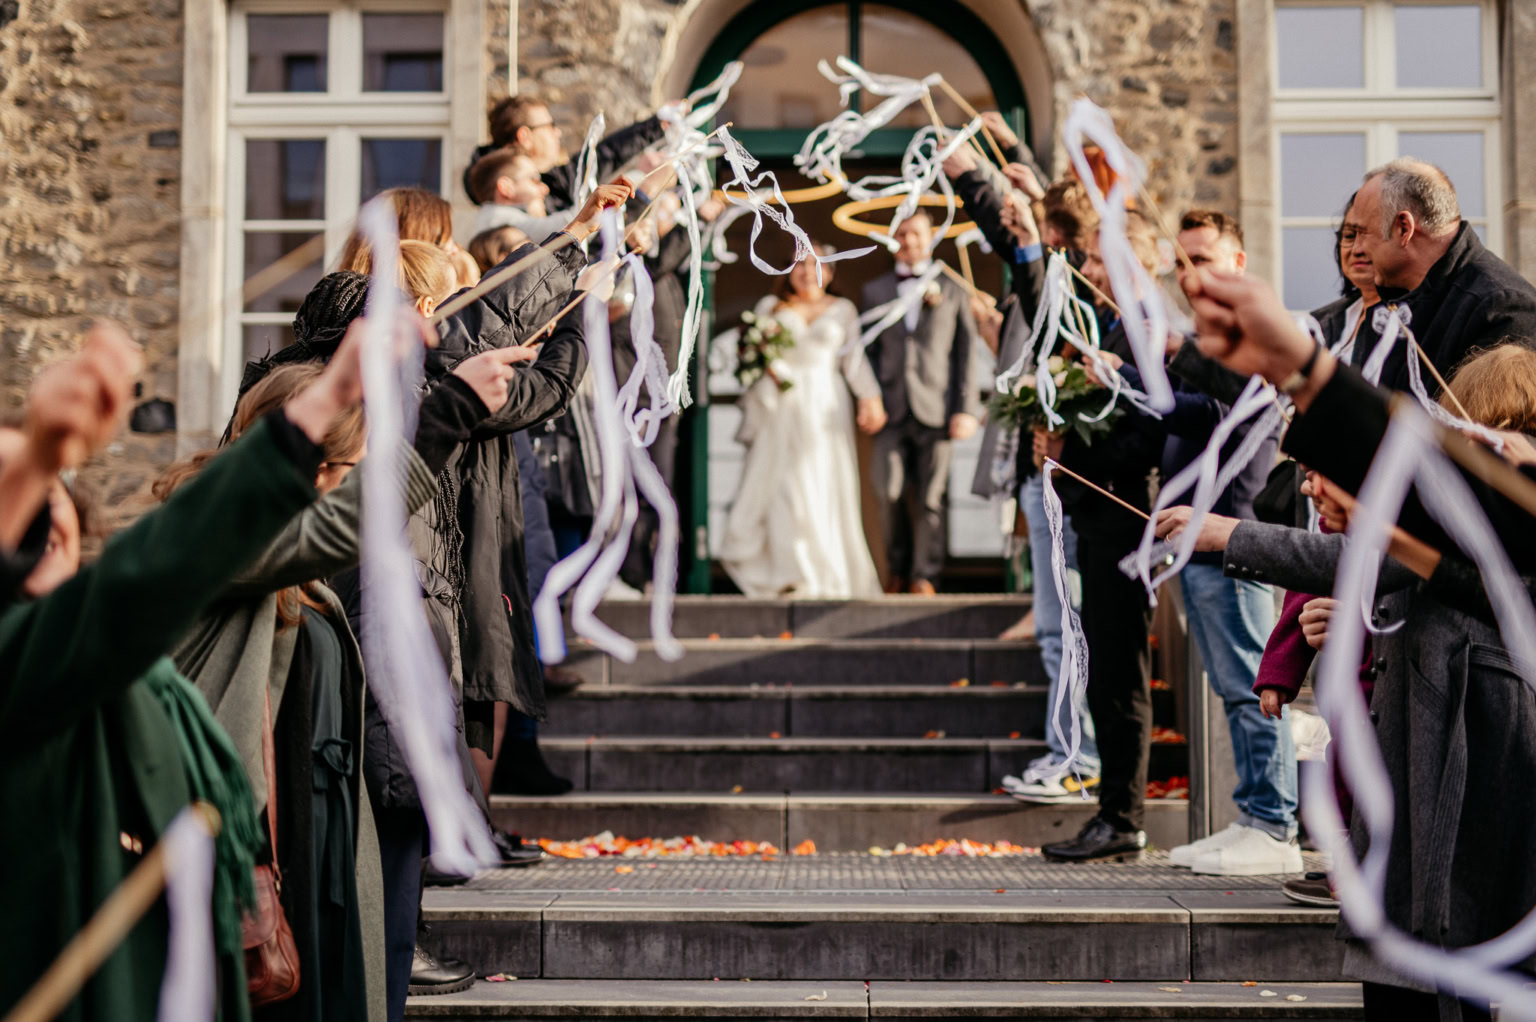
x=1381 y=111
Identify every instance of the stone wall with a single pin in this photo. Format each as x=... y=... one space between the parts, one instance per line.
x=90 y=111
x=1167 y=72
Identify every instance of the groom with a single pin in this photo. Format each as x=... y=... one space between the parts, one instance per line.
x=924 y=364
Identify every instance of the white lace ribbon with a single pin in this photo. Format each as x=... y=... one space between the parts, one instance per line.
x=1072 y=686
x=405 y=670
x=186 y=989
x=586 y=163
x=1409 y=455
x=1145 y=311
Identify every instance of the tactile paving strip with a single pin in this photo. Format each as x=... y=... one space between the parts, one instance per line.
x=837 y=873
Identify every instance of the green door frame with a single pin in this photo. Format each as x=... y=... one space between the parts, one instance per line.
x=960 y=24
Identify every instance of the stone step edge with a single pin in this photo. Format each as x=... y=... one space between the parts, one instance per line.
x=884 y=998
x=688 y=800
x=935 y=690
x=946 y=601
x=796 y=643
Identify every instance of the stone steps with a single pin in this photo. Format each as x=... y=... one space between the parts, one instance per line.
x=654 y=1000
x=975 y=616
x=835 y=822
x=1021 y=935
x=897 y=711
x=809 y=712
x=856 y=764
x=802 y=661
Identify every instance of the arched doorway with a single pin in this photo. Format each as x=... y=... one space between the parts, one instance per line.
x=780 y=97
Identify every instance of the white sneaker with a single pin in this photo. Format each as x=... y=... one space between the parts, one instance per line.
x=1063 y=789
x=1185 y=855
x=1044 y=766
x=1252 y=853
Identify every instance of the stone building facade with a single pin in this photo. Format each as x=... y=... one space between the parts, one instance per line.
x=115 y=118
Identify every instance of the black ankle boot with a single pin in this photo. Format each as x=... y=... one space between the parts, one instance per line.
x=521 y=770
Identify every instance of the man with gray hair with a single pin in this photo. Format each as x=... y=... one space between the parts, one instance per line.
x=1459 y=295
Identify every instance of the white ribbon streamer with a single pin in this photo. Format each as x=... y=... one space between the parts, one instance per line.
x=1209 y=476
x=922 y=167
x=1408 y=454
x=1073 y=683
x=702 y=113
x=1144 y=307
x=405 y=671
x=821 y=156
x=186 y=989
x=882 y=317
x=592 y=568
x=650 y=361
x=586 y=163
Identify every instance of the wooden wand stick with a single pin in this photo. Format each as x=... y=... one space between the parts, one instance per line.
x=1095 y=486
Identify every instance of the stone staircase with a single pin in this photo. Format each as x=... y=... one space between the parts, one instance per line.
x=855 y=726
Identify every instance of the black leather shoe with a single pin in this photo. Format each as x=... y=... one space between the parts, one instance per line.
x=521 y=770
x=1097 y=842
x=561 y=680
x=433 y=975
x=515 y=852
x=433 y=877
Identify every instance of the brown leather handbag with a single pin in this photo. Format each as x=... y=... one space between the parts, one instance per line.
x=271 y=956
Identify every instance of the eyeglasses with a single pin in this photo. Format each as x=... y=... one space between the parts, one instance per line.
x=1348 y=235
x=338 y=464
x=536 y=127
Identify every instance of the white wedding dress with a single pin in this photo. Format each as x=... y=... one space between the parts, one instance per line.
x=795 y=528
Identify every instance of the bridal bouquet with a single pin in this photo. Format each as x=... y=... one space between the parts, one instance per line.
x=1076 y=396
x=761 y=341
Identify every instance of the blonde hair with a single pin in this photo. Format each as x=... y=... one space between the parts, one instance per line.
x=423 y=271
x=1497 y=386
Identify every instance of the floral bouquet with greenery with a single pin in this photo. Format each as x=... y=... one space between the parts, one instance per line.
x=1076 y=396
x=761 y=342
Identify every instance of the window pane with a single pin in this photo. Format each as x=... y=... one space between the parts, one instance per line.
x=402 y=53
x=401 y=163
x=780 y=86
x=285 y=179
x=1310 y=256
x=285 y=52
x=1318 y=172
x=891 y=41
x=1439 y=47
x=263 y=339
x=262 y=249
x=1320 y=47
x=1460 y=155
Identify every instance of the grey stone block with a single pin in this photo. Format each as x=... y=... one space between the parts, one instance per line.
x=641 y=1000
x=801 y=662
x=1007 y=661
x=637 y=814
x=497 y=936
x=697 y=617
x=857 y=822
x=1244 y=934
x=974 y=711
x=903 y=617
x=956 y=937
x=659 y=710
x=1112 y=1001
x=857 y=764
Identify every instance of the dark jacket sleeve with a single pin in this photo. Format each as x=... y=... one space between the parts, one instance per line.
x=1206 y=374
x=1349 y=407
x=612 y=153
x=97 y=633
x=984 y=206
x=542 y=389
x=964 y=395
x=671 y=253
x=507 y=314
x=1194 y=415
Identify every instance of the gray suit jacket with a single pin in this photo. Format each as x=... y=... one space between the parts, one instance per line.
x=926 y=372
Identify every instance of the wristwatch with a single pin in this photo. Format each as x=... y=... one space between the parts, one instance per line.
x=1294 y=382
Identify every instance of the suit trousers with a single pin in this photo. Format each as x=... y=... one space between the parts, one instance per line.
x=911 y=476
x=1116 y=622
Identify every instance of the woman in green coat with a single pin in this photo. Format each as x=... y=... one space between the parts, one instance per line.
x=95 y=722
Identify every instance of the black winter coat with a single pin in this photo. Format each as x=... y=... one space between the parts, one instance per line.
x=1469 y=299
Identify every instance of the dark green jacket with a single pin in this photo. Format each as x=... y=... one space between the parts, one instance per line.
x=87 y=753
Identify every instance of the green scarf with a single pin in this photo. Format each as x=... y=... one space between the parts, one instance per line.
x=216 y=775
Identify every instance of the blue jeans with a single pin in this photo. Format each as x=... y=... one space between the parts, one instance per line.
x=1231 y=620
x=1048 y=614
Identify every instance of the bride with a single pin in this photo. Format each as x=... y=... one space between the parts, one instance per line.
x=795 y=527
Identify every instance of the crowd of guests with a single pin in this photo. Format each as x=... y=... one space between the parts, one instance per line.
x=211 y=650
